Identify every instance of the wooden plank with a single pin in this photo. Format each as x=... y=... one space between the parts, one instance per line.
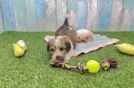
x=125 y=21
x=61 y=10
x=20 y=15
x=116 y=14
x=72 y=7
x=132 y=20
x=7 y=10
x=82 y=13
x=50 y=15
x=40 y=8
x=30 y=15
x=1 y=23
x=128 y=4
x=92 y=18
x=40 y=14
x=105 y=9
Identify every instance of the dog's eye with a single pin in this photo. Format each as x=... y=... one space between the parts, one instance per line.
x=87 y=37
x=61 y=49
x=52 y=50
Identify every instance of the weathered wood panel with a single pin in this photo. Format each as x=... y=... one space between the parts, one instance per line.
x=20 y=13
x=117 y=7
x=105 y=9
x=61 y=11
x=132 y=20
x=72 y=8
x=82 y=13
x=1 y=23
x=7 y=10
x=92 y=18
x=30 y=15
x=125 y=20
x=40 y=14
x=48 y=15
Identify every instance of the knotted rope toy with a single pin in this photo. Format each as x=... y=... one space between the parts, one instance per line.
x=60 y=62
x=107 y=64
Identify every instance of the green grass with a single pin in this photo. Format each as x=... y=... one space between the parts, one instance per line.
x=33 y=70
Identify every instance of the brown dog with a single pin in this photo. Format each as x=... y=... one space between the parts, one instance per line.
x=64 y=42
x=69 y=31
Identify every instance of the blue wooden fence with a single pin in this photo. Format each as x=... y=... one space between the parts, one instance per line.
x=48 y=15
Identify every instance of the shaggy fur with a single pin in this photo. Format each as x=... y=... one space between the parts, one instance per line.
x=64 y=42
x=69 y=31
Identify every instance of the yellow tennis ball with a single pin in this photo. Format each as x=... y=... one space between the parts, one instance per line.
x=93 y=66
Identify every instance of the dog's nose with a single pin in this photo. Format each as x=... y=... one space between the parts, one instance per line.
x=61 y=58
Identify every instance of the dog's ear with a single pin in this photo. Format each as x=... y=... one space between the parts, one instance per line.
x=68 y=46
x=67 y=43
x=48 y=38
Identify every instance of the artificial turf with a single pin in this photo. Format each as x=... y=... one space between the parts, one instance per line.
x=33 y=70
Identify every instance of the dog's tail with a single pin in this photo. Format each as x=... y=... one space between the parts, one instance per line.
x=66 y=22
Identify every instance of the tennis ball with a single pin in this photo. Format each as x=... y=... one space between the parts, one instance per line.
x=93 y=66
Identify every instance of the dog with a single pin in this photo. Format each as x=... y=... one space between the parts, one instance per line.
x=64 y=42
x=69 y=31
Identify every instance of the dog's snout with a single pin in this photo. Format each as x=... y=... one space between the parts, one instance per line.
x=60 y=58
